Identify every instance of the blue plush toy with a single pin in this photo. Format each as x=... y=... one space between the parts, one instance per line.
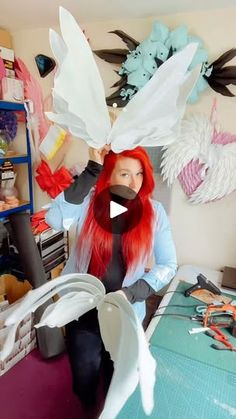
x=141 y=60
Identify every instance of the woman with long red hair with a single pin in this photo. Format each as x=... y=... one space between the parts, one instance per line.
x=115 y=249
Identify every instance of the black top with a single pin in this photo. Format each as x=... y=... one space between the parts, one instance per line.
x=116 y=269
x=78 y=190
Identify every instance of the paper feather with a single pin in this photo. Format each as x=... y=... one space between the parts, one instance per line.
x=152 y=116
x=121 y=331
x=202 y=154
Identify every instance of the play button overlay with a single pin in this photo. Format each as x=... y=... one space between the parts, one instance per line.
x=118 y=209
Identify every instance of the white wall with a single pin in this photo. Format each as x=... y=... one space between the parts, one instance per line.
x=204 y=234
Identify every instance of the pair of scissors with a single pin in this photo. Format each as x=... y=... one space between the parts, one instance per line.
x=218 y=335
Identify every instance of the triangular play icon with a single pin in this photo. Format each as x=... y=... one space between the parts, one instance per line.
x=116 y=209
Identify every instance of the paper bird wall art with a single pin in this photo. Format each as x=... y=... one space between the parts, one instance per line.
x=140 y=61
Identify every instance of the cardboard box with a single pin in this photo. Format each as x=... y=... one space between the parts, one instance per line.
x=12 y=90
x=25 y=338
x=4 y=305
x=7 y=54
x=26 y=326
x=5 y=39
x=229 y=277
x=10 y=73
x=11 y=361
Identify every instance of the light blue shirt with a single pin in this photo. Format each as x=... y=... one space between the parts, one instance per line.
x=63 y=214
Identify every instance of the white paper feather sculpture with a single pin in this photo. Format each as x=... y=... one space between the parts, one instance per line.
x=121 y=331
x=152 y=116
x=203 y=158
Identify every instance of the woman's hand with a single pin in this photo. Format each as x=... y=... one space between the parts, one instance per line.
x=98 y=155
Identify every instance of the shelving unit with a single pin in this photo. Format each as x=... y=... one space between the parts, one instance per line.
x=19 y=159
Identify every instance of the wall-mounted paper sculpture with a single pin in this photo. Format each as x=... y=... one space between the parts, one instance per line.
x=204 y=160
x=140 y=61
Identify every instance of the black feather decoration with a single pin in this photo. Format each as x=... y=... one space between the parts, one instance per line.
x=118 y=56
x=122 y=82
x=128 y=40
x=115 y=56
x=158 y=61
x=223 y=90
x=224 y=58
x=220 y=76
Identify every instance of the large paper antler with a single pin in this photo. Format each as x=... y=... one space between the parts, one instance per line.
x=121 y=332
x=151 y=117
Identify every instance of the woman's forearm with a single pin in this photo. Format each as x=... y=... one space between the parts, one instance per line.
x=82 y=184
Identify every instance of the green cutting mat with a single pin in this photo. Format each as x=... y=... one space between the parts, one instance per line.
x=186 y=389
x=172 y=333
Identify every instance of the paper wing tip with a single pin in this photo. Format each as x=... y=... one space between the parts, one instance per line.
x=63 y=10
x=193 y=46
x=186 y=54
x=65 y=15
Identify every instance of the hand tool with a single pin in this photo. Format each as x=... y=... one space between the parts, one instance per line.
x=218 y=335
x=202 y=283
x=224 y=309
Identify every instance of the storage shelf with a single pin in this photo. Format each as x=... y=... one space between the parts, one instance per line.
x=15 y=158
x=23 y=206
x=11 y=106
x=18 y=158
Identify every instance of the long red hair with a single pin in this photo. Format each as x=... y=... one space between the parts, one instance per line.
x=136 y=243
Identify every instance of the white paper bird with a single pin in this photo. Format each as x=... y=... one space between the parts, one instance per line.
x=152 y=116
x=121 y=331
x=197 y=143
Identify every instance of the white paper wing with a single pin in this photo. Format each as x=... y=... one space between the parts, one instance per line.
x=35 y=298
x=192 y=142
x=220 y=179
x=78 y=84
x=153 y=114
x=124 y=338
x=52 y=288
x=68 y=308
x=147 y=370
